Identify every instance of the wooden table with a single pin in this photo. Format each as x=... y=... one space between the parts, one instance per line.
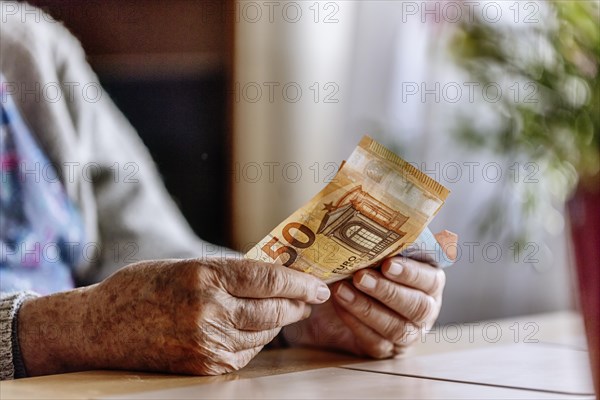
x=539 y=356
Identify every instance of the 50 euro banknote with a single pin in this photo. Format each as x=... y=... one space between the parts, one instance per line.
x=376 y=206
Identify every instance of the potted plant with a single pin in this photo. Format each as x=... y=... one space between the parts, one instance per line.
x=556 y=57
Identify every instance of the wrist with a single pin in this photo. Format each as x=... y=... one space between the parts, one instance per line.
x=52 y=333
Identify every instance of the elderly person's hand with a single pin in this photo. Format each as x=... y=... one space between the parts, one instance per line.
x=200 y=317
x=379 y=313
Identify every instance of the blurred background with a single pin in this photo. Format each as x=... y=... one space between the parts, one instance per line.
x=249 y=107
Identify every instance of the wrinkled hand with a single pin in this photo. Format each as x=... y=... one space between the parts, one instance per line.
x=379 y=313
x=185 y=316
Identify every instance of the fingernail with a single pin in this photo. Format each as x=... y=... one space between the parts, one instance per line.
x=367 y=281
x=307 y=311
x=345 y=293
x=323 y=293
x=395 y=269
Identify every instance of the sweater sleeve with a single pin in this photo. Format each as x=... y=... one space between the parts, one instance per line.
x=11 y=365
x=136 y=218
x=105 y=167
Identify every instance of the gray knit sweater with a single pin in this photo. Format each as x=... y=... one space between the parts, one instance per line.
x=77 y=130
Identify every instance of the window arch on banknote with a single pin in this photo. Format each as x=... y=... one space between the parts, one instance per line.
x=362 y=224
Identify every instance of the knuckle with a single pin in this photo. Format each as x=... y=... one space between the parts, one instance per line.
x=389 y=294
x=244 y=273
x=278 y=313
x=213 y=266
x=365 y=308
x=380 y=349
x=227 y=363
x=393 y=329
x=209 y=273
x=265 y=316
x=209 y=364
x=275 y=279
x=412 y=275
x=439 y=281
x=423 y=306
x=249 y=266
x=240 y=314
x=205 y=274
x=251 y=315
x=187 y=273
x=242 y=360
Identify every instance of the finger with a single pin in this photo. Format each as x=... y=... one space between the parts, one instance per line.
x=262 y=314
x=221 y=363
x=251 y=339
x=259 y=280
x=368 y=341
x=375 y=315
x=243 y=357
x=449 y=242
x=400 y=349
x=414 y=305
x=416 y=274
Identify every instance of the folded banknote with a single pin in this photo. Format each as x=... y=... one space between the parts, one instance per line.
x=429 y=249
x=376 y=206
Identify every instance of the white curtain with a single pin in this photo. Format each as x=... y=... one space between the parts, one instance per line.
x=291 y=77
x=371 y=59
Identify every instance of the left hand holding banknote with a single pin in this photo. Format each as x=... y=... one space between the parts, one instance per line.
x=377 y=205
x=379 y=313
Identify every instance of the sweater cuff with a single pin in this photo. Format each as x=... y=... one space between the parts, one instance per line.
x=11 y=364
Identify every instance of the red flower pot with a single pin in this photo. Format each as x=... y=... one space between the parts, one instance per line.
x=584 y=214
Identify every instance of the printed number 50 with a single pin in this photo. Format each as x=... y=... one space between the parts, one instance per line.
x=293 y=242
